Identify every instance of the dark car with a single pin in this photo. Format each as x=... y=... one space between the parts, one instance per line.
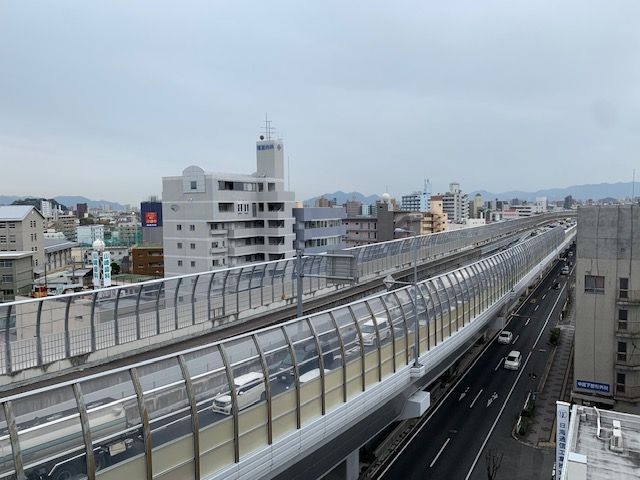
x=556 y=286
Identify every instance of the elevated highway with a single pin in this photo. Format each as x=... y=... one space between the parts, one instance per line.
x=291 y=399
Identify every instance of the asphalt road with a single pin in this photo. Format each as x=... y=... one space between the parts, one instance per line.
x=485 y=402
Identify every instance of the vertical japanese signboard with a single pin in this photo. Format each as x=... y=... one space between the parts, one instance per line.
x=95 y=265
x=106 y=268
x=562 y=427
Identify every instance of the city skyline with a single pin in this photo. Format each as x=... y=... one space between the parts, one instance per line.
x=447 y=92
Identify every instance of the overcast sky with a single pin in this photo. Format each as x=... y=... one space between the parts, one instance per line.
x=103 y=99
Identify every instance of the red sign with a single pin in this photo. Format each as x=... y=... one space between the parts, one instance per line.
x=151 y=219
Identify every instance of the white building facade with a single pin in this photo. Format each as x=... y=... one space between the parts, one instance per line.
x=87 y=234
x=216 y=220
x=455 y=204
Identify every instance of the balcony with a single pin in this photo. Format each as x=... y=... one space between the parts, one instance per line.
x=628 y=329
x=236 y=232
x=628 y=360
x=218 y=250
x=245 y=250
x=217 y=232
x=631 y=392
x=629 y=297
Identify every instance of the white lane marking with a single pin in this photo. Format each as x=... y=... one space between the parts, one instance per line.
x=544 y=296
x=474 y=400
x=458 y=382
x=463 y=394
x=516 y=339
x=506 y=400
x=492 y=398
x=498 y=365
x=441 y=449
x=527 y=322
x=536 y=309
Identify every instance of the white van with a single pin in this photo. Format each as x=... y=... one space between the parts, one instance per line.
x=369 y=330
x=249 y=390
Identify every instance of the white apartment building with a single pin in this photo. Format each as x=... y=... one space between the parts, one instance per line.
x=455 y=204
x=215 y=220
x=87 y=234
x=607 y=295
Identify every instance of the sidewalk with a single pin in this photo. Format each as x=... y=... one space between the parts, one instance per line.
x=555 y=386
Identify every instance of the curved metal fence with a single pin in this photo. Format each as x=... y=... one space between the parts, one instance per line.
x=193 y=413
x=40 y=331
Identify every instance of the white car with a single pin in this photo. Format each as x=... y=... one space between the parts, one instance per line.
x=505 y=337
x=369 y=330
x=512 y=362
x=565 y=270
x=249 y=390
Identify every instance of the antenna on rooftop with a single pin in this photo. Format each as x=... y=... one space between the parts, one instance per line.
x=268 y=129
x=633 y=186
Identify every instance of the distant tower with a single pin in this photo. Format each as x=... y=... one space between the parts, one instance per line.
x=270 y=153
x=425 y=197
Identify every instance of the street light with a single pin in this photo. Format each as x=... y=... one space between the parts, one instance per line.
x=389 y=281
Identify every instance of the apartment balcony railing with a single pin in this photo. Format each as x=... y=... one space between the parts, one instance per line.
x=629 y=296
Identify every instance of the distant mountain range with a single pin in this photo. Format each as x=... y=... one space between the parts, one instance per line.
x=594 y=191
x=69 y=201
x=342 y=197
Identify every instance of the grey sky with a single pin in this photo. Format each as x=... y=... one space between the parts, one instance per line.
x=495 y=95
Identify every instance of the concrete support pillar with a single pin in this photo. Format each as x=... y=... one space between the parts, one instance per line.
x=352 y=464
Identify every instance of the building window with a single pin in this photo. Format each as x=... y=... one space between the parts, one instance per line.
x=192 y=228
x=621 y=381
x=624 y=288
x=3 y=239
x=179 y=245
x=623 y=315
x=622 y=351
x=271 y=187
x=193 y=263
x=594 y=284
x=178 y=227
x=12 y=239
x=194 y=185
x=7 y=279
x=192 y=246
x=179 y=263
x=12 y=225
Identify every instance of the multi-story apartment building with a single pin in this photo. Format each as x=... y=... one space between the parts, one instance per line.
x=360 y=230
x=67 y=224
x=147 y=261
x=419 y=201
x=455 y=204
x=128 y=234
x=16 y=274
x=607 y=298
x=213 y=220
x=87 y=234
x=319 y=229
x=22 y=230
x=353 y=208
x=46 y=209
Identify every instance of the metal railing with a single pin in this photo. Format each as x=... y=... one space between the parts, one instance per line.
x=199 y=411
x=40 y=331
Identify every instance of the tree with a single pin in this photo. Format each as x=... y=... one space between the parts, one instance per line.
x=115 y=268
x=493 y=461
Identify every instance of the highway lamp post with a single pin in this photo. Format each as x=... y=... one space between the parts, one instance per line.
x=389 y=281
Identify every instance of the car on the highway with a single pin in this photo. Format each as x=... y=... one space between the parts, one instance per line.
x=505 y=337
x=249 y=390
x=556 y=286
x=369 y=330
x=512 y=362
x=565 y=270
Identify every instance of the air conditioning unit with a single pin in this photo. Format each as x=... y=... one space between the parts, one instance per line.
x=615 y=443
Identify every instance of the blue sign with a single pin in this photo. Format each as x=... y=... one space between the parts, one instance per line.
x=593 y=386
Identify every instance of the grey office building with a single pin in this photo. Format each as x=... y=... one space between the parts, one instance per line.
x=607 y=297
x=215 y=220
x=320 y=229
